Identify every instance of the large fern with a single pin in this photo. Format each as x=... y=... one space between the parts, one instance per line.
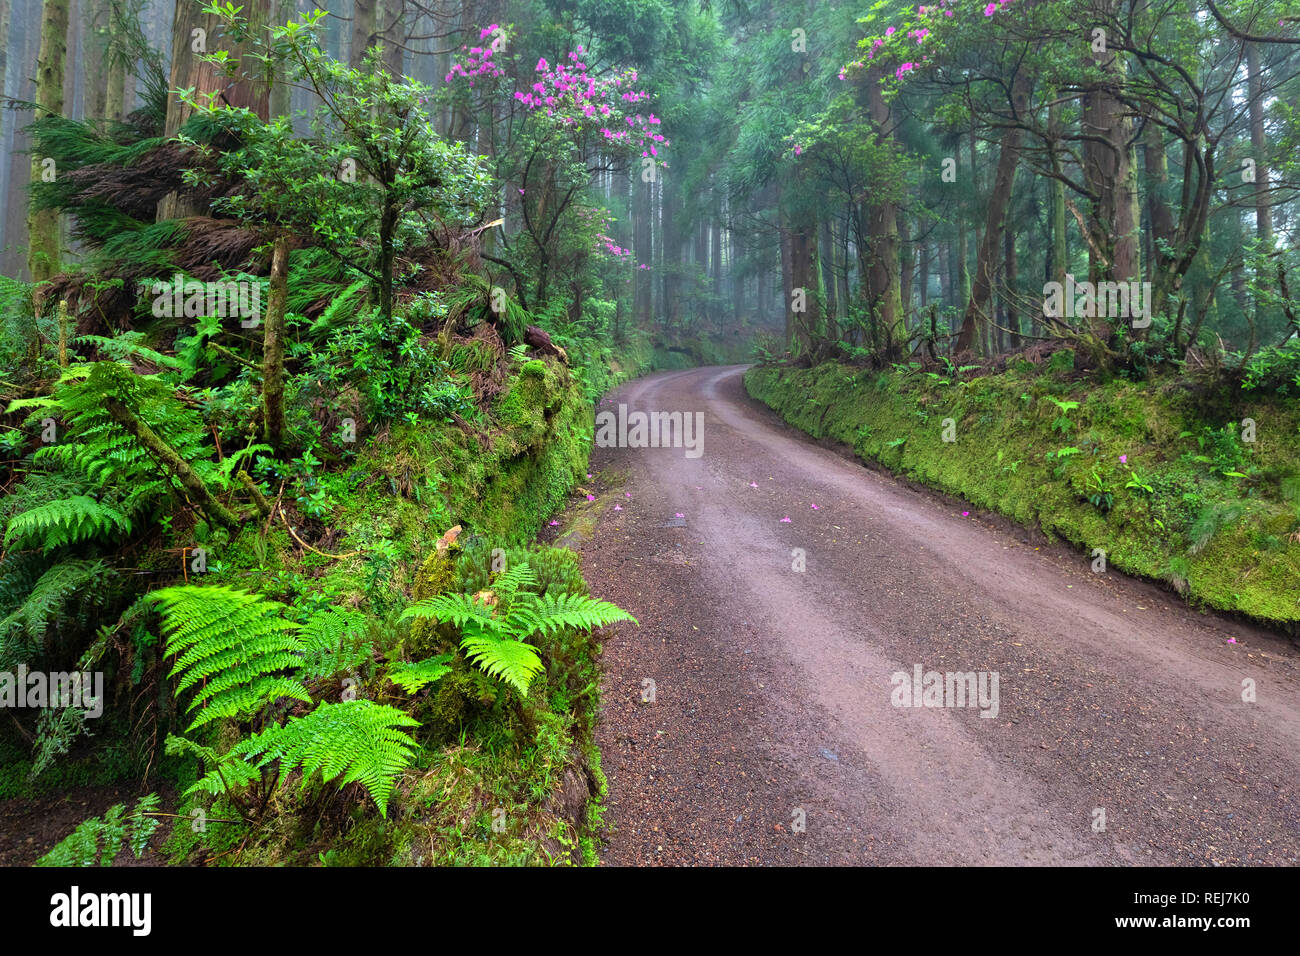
x=62 y=522
x=494 y=625
x=353 y=740
x=93 y=443
x=238 y=644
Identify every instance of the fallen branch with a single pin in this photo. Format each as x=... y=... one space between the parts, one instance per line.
x=336 y=557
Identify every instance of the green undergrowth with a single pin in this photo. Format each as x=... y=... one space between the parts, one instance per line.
x=483 y=789
x=495 y=779
x=1162 y=476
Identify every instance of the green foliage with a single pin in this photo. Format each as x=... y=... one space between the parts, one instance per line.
x=411 y=677
x=97 y=841
x=1274 y=369
x=355 y=740
x=96 y=445
x=64 y=522
x=334 y=641
x=493 y=629
x=235 y=643
x=58 y=596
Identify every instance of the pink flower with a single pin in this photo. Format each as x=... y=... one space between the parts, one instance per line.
x=785 y=520
x=680 y=515
x=965 y=514
x=554 y=523
x=752 y=485
x=588 y=476
x=1232 y=640
x=541 y=64
x=627 y=494
x=988 y=11
x=591 y=497
x=1123 y=459
x=618 y=507
x=816 y=508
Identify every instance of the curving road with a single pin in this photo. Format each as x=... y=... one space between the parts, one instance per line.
x=772 y=737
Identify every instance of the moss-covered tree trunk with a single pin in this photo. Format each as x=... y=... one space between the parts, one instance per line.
x=166 y=456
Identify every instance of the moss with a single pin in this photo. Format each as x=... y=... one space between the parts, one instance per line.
x=1008 y=458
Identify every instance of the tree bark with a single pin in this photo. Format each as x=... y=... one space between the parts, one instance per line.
x=995 y=219
x=43 y=227
x=249 y=88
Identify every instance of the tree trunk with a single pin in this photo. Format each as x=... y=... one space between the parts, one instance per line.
x=363 y=31
x=883 y=229
x=995 y=220
x=43 y=227
x=249 y=88
x=1259 y=146
x=1013 y=316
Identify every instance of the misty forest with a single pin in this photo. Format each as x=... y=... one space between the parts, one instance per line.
x=531 y=432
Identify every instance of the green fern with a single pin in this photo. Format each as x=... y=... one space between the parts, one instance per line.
x=63 y=522
x=96 y=445
x=411 y=677
x=354 y=740
x=97 y=841
x=62 y=593
x=333 y=641
x=237 y=641
x=493 y=636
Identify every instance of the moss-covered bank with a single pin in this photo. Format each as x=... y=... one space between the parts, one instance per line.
x=1196 y=487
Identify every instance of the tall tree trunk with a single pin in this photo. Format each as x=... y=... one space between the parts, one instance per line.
x=393 y=20
x=642 y=277
x=1013 y=316
x=1060 y=253
x=248 y=89
x=43 y=227
x=1259 y=146
x=883 y=230
x=94 y=91
x=363 y=31
x=826 y=269
x=995 y=220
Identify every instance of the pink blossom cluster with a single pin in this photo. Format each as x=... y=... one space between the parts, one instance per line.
x=566 y=92
x=925 y=13
x=477 y=60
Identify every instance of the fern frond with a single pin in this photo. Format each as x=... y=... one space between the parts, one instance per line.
x=509 y=582
x=411 y=677
x=353 y=740
x=553 y=612
x=83 y=846
x=237 y=639
x=63 y=522
x=55 y=590
x=506 y=659
x=457 y=609
x=333 y=641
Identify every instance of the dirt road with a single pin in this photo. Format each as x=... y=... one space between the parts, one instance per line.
x=1121 y=735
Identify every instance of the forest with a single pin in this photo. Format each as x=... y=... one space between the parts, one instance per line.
x=313 y=553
